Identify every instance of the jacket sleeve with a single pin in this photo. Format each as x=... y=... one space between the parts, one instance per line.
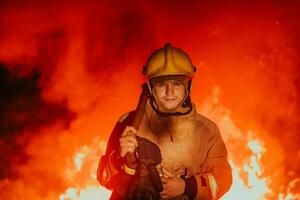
x=216 y=177
x=110 y=163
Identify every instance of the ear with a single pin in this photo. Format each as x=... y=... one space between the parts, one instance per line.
x=194 y=69
x=187 y=102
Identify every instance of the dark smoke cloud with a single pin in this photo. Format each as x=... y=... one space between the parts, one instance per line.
x=22 y=109
x=123 y=37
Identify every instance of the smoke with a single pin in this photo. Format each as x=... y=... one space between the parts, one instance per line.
x=69 y=71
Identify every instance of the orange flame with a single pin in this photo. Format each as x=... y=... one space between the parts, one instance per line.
x=82 y=58
x=255 y=185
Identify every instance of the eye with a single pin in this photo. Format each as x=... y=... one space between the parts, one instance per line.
x=178 y=83
x=160 y=85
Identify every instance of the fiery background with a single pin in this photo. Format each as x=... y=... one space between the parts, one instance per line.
x=68 y=70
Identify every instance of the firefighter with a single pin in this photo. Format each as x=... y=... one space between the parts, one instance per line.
x=194 y=157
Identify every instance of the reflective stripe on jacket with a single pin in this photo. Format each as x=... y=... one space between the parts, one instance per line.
x=190 y=143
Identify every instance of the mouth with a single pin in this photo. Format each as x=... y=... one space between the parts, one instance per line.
x=170 y=99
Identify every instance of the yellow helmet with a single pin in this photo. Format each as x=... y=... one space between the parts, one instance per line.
x=169 y=61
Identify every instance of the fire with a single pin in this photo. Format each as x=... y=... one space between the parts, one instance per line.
x=68 y=71
x=88 y=193
x=255 y=186
x=83 y=168
x=249 y=180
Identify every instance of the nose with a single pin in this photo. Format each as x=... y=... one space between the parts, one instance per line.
x=170 y=89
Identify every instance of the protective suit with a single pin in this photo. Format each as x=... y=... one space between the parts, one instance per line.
x=190 y=144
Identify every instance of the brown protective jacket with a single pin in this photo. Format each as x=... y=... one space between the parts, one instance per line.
x=189 y=143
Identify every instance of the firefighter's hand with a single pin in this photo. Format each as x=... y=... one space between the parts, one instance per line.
x=128 y=142
x=172 y=185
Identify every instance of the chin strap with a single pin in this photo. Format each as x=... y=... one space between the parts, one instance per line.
x=168 y=114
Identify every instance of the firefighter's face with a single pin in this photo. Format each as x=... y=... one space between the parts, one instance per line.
x=170 y=93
